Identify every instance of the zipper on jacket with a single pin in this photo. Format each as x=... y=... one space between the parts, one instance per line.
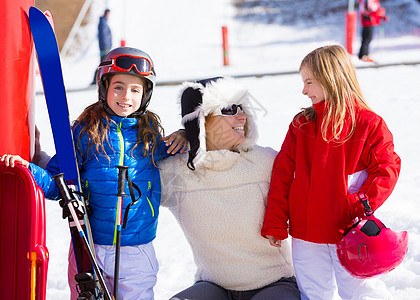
x=118 y=212
x=121 y=142
x=88 y=194
x=149 y=186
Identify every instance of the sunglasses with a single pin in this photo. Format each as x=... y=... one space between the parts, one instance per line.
x=229 y=111
x=124 y=63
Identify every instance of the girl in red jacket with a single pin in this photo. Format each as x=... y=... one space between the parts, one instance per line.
x=333 y=150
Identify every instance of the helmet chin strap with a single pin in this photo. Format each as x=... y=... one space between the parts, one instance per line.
x=143 y=107
x=107 y=109
x=137 y=113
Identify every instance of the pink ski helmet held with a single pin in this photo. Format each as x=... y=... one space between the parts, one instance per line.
x=370 y=248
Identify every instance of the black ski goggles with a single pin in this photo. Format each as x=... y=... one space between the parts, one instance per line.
x=123 y=63
x=228 y=111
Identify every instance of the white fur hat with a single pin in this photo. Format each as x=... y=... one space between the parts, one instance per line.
x=199 y=99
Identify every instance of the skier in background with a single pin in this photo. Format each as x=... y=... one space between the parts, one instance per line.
x=104 y=38
x=334 y=151
x=104 y=35
x=371 y=15
x=118 y=130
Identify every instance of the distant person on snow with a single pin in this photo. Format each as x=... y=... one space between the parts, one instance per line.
x=118 y=130
x=104 y=38
x=336 y=152
x=371 y=15
x=104 y=35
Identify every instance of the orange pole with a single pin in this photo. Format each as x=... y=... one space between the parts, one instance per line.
x=225 y=46
x=351 y=24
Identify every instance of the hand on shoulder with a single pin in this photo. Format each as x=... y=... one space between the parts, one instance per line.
x=176 y=141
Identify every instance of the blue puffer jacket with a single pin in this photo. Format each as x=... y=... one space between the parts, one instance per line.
x=99 y=180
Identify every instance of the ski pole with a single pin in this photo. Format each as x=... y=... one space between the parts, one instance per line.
x=70 y=200
x=122 y=175
x=122 y=179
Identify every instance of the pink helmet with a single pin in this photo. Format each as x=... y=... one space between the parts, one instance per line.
x=370 y=248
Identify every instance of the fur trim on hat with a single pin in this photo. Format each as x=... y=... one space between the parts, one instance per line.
x=215 y=94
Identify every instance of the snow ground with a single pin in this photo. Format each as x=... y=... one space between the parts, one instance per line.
x=184 y=40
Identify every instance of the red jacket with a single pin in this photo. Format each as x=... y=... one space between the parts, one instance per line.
x=371 y=12
x=312 y=179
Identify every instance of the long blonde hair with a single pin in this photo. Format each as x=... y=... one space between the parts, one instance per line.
x=95 y=122
x=332 y=68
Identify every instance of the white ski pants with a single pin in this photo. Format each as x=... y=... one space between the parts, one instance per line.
x=319 y=274
x=137 y=276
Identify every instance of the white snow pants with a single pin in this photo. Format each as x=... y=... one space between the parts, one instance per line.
x=137 y=276
x=319 y=273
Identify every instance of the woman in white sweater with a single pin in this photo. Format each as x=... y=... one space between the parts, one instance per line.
x=218 y=192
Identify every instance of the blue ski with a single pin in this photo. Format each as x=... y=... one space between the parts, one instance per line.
x=55 y=96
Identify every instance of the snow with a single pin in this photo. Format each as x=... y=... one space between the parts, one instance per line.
x=184 y=39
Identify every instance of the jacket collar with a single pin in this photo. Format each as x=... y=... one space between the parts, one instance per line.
x=320 y=107
x=219 y=160
x=124 y=122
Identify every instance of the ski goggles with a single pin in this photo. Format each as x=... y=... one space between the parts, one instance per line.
x=228 y=111
x=124 y=63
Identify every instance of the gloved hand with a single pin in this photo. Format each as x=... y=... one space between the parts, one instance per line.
x=357 y=210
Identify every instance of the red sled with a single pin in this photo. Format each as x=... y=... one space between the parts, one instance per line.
x=23 y=253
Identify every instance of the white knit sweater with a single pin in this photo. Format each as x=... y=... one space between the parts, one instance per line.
x=220 y=207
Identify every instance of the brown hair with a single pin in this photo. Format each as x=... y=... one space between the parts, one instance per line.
x=332 y=68
x=95 y=122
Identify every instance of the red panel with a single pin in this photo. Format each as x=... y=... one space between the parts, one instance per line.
x=17 y=79
x=22 y=235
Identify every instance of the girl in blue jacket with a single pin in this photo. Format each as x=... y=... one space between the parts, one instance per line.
x=118 y=130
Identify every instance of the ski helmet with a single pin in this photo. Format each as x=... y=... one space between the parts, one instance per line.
x=126 y=60
x=370 y=248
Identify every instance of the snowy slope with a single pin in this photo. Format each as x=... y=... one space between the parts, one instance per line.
x=184 y=40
